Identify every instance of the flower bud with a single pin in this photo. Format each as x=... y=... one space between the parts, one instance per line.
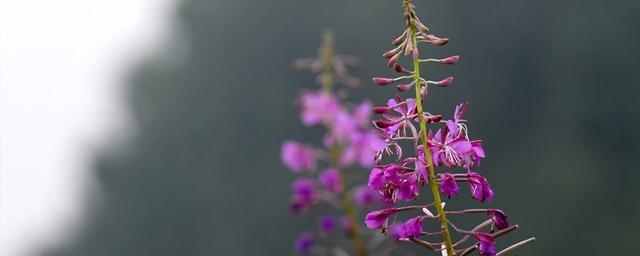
x=415 y=53
x=445 y=82
x=382 y=124
x=450 y=60
x=433 y=118
x=393 y=60
x=404 y=87
x=435 y=40
x=377 y=219
x=382 y=80
x=448 y=185
x=399 y=39
x=423 y=90
x=400 y=69
x=499 y=219
x=380 y=110
x=389 y=53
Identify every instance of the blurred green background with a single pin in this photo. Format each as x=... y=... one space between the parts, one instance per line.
x=552 y=86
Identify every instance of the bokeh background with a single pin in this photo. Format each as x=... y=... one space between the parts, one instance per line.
x=193 y=167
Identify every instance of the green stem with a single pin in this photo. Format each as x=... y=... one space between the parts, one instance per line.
x=327 y=53
x=427 y=153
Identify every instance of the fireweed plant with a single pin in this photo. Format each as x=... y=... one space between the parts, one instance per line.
x=349 y=142
x=399 y=178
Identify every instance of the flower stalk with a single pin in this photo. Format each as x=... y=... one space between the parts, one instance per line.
x=427 y=153
x=327 y=54
x=401 y=178
x=347 y=142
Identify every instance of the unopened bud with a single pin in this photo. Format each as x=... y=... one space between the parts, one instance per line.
x=382 y=124
x=382 y=80
x=415 y=53
x=433 y=118
x=428 y=213
x=399 y=39
x=450 y=60
x=393 y=60
x=400 y=69
x=380 y=110
x=436 y=40
x=404 y=87
x=389 y=53
x=445 y=82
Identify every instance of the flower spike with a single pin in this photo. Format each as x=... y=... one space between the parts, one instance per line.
x=446 y=146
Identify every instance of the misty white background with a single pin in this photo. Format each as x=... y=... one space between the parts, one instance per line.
x=62 y=67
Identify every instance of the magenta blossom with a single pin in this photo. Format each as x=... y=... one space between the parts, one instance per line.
x=412 y=228
x=365 y=196
x=303 y=195
x=396 y=231
x=297 y=157
x=304 y=243
x=448 y=146
x=346 y=124
x=326 y=224
x=444 y=156
x=330 y=180
x=480 y=188
x=448 y=185
x=377 y=219
x=409 y=187
x=406 y=110
x=362 y=149
x=499 y=219
x=318 y=107
x=376 y=178
x=487 y=243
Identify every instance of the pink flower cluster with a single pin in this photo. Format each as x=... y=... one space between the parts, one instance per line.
x=449 y=147
x=349 y=142
x=436 y=143
x=348 y=134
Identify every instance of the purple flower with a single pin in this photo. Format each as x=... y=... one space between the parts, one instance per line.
x=408 y=188
x=365 y=196
x=330 y=179
x=448 y=185
x=377 y=219
x=487 y=243
x=451 y=146
x=396 y=231
x=318 y=107
x=405 y=108
x=362 y=148
x=458 y=114
x=412 y=228
x=480 y=189
x=303 y=195
x=345 y=125
x=297 y=157
x=421 y=163
x=448 y=146
x=499 y=219
x=362 y=113
x=376 y=178
x=304 y=243
x=326 y=224
x=393 y=174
